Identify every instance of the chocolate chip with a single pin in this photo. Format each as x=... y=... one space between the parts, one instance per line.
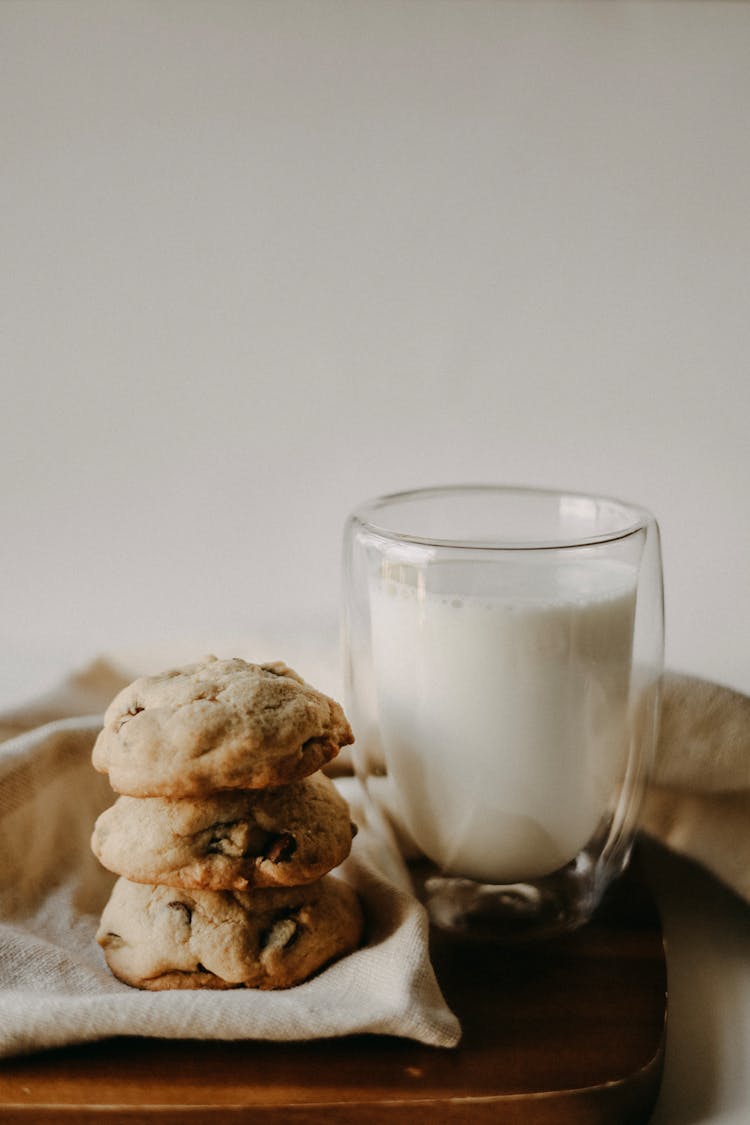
x=281 y=848
x=183 y=906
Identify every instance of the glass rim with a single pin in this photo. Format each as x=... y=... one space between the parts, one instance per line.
x=364 y=515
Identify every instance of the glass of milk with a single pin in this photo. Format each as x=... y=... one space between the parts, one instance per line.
x=503 y=651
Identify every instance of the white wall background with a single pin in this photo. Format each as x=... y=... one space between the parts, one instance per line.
x=260 y=260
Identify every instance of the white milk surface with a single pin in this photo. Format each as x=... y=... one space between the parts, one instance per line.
x=503 y=716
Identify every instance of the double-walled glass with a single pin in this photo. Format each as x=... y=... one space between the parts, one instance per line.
x=503 y=652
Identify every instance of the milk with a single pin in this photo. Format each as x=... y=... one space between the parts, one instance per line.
x=502 y=707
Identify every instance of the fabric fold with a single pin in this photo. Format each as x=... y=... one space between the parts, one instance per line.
x=698 y=800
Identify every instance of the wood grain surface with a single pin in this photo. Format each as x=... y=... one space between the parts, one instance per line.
x=566 y=1031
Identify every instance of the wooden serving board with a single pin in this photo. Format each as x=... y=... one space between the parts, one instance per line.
x=571 y=1030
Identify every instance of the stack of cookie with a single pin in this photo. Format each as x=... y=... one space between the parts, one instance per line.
x=225 y=829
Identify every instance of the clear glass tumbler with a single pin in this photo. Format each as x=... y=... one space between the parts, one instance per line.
x=503 y=655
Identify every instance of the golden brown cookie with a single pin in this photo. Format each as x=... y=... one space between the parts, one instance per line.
x=232 y=840
x=220 y=724
x=158 y=938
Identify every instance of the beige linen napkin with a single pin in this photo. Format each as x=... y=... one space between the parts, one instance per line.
x=54 y=985
x=698 y=802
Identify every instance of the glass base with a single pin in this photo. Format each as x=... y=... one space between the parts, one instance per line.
x=513 y=912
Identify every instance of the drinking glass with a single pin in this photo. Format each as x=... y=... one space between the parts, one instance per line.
x=503 y=653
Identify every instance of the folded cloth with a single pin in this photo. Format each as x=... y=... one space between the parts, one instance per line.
x=698 y=801
x=86 y=691
x=55 y=988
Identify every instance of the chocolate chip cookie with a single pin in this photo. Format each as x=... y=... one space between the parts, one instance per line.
x=220 y=724
x=156 y=937
x=230 y=840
